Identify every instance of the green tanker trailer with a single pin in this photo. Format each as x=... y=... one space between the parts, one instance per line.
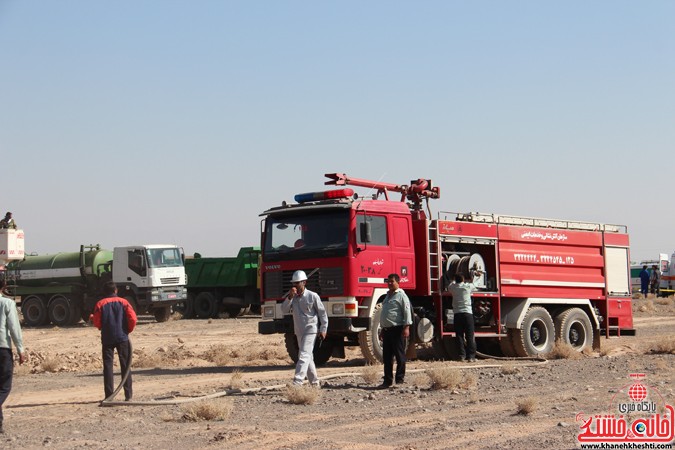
x=64 y=287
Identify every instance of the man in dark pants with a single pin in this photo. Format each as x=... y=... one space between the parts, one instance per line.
x=463 y=318
x=644 y=281
x=10 y=331
x=115 y=317
x=395 y=320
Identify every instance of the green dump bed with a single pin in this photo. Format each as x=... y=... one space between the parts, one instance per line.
x=241 y=271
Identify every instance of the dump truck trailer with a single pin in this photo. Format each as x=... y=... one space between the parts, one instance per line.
x=222 y=284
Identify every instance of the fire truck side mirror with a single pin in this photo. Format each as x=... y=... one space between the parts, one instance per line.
x=365 y=232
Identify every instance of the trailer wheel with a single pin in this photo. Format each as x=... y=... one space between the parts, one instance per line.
x=536 y=334
x=34 y=311
x=321 y=354
x=186 y=307
x=573 y=327
x=205 y=305
x=60 y=313
x=370 y=341
x=162 y=314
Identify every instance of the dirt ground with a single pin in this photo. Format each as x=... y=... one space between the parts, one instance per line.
x=55 y=398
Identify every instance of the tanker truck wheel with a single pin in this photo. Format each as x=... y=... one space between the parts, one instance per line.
x=370 y=341
x=536 y=334
x=573 y=327
x=506 y=344
x=60 y=313
x=321 y=354
x=162 y=314
x=34 y=311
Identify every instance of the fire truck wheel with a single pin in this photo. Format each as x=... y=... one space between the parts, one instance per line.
x=205 y=305
x=370 y=340
x=573 y=327
x=34 y=311
x=446 y=348
x=321 y=354
x=536 y=335
x=186 y=307
x=506 y=344
x=162 y=314
x=59 y=311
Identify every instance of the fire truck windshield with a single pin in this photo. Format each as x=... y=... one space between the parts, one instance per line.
x=306 y=235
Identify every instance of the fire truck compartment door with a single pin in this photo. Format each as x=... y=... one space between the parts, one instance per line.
x=618 y=271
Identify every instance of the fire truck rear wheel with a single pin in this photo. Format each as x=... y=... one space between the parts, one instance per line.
x=34 y=311
x=59 y=311
x=446 y=348
x=205 y=305
x=573 y=327
x=321 y=354
x=370 y=340
x=536 y=334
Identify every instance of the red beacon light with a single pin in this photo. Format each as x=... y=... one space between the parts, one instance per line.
x=325 y=195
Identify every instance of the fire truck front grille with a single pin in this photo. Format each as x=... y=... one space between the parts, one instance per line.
x=173 y=280
x=327 y=282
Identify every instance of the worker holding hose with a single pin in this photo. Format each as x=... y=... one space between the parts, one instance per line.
x=116 y=318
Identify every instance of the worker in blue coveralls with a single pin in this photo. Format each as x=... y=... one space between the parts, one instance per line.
x=644 y=280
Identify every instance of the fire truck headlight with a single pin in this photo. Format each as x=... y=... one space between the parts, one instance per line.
x=338 y=309
x=268 y=312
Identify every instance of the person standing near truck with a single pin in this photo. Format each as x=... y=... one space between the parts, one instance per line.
x=309 y=318
x=655 y=280
x=116 y=318
x=395 y=320
x=463 y=318
x=10 y=331
x=644 y=281
x=8 y=222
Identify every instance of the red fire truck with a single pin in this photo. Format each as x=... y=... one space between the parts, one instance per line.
x=538 y=280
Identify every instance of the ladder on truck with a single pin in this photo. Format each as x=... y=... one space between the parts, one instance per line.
x=435 y=260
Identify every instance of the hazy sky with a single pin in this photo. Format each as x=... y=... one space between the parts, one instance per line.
x=180 y=121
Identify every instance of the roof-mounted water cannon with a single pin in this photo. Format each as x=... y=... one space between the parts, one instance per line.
x=415 y=192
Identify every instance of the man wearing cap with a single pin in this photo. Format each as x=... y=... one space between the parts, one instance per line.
x=309 y=318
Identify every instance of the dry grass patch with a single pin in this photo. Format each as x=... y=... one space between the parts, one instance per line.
x=302 y=395
x=664 y=301
x=419 y=379
x=527 y=405
x=445 y=378
x=207 y=410
x=509 y=369
x=469 y=381
x=665 y=346
x=236 y=379
x=647 y=306
x=563 y=350
x=218 y=354
x=371 y=374
x=50 y=365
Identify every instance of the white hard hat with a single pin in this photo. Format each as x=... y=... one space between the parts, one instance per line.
x=299 y=275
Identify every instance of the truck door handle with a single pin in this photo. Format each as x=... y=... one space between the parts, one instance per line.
x=128 y=278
